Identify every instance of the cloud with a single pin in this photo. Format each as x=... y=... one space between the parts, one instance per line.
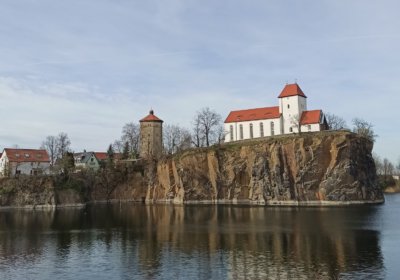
x=88 y=67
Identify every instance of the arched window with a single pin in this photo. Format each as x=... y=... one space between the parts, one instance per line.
x=261 y=129
x=251 y=131
x=231 y=132
x=241 y=131
x=272 y=129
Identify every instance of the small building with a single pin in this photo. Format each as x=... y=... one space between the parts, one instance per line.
x=86 y=160
x=151 y=136
x=24 y=161
x=291 y=116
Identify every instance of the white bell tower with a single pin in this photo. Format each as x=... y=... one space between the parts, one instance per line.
x=292 y=103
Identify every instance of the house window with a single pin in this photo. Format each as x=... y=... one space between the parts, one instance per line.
x=17 y=172
x=261 y=129
x=241 y=131
x=309 y=127
x=288 y=106
x=272 y=129
x=251 y=131
x=231 y=132
x=291 y=129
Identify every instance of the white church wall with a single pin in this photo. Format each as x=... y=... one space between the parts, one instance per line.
x=236 y=133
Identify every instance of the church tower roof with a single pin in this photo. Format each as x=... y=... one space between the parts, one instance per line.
x=292 y=90
x=151 y=117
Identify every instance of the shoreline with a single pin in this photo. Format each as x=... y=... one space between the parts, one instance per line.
x=205 y=202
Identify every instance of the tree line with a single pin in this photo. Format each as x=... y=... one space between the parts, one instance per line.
x=206 y=129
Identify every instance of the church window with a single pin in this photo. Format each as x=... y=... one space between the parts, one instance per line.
x=272 y=129
x=291 y=129
x=288 y=106
x=241 y=131
x=261 y=129
x=251 y=131
x=231 y=132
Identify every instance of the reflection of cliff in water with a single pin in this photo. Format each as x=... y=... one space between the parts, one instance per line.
x=242 y=241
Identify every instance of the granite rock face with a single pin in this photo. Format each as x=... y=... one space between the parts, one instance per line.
x=306 y=169
x=326 y=168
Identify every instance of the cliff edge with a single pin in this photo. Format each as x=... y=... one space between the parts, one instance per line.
x=307 y=169
x=324 y=168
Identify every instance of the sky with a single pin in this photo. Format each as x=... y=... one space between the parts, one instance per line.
x=87 y=67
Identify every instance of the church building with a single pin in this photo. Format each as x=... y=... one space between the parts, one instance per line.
x=289 y=117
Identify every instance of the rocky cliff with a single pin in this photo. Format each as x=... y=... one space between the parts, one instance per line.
x=313 y=168
x=307 y=169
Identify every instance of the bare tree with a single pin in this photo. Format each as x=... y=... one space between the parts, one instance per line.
x=378 y=163
x=131 y=134
x=118 y=146
x=56 y=147
x=206 y=123
x=364 y=129
x=398 y=167
x=197 y=138
x=51 y=146
x=63 y=144
x=175 y=138
x=335 y=122
x=387 y=168
x=296 y=121
x=221 y=133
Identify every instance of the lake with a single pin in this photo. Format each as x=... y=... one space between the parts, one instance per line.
x=136 y=241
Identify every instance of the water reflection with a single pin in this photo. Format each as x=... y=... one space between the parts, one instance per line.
x=200 y=242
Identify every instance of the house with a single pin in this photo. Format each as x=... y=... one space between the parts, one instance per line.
x=24 y=161
x=289 y=117
x=92 y=160
x=86 y=160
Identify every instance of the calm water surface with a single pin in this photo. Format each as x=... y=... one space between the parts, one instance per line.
x=132 y=241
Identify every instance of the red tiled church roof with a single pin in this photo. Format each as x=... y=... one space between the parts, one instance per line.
x=151 y=118
x=26 y=155
x=253 y=114
x=291 y=90
x=311 y=117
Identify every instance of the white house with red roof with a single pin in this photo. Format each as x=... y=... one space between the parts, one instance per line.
x=24 y=161
x=290 y=116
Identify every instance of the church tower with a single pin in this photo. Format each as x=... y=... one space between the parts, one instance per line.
x=292 y=104
x=151 y=145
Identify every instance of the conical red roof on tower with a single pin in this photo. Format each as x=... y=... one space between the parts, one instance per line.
x=291 y=90
x=151 y=118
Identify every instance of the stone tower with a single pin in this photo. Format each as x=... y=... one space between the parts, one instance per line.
x=151 y=136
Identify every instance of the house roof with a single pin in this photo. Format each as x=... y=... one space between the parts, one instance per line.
x=311 y=117
x=104 y=156
x=291 y=90
x=26 y=155
x=101 y=155
x=253 y=114
x=84 y=157
x=151 y=118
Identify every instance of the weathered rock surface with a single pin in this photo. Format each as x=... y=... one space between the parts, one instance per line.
x=317 y=168
x=310 y=169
